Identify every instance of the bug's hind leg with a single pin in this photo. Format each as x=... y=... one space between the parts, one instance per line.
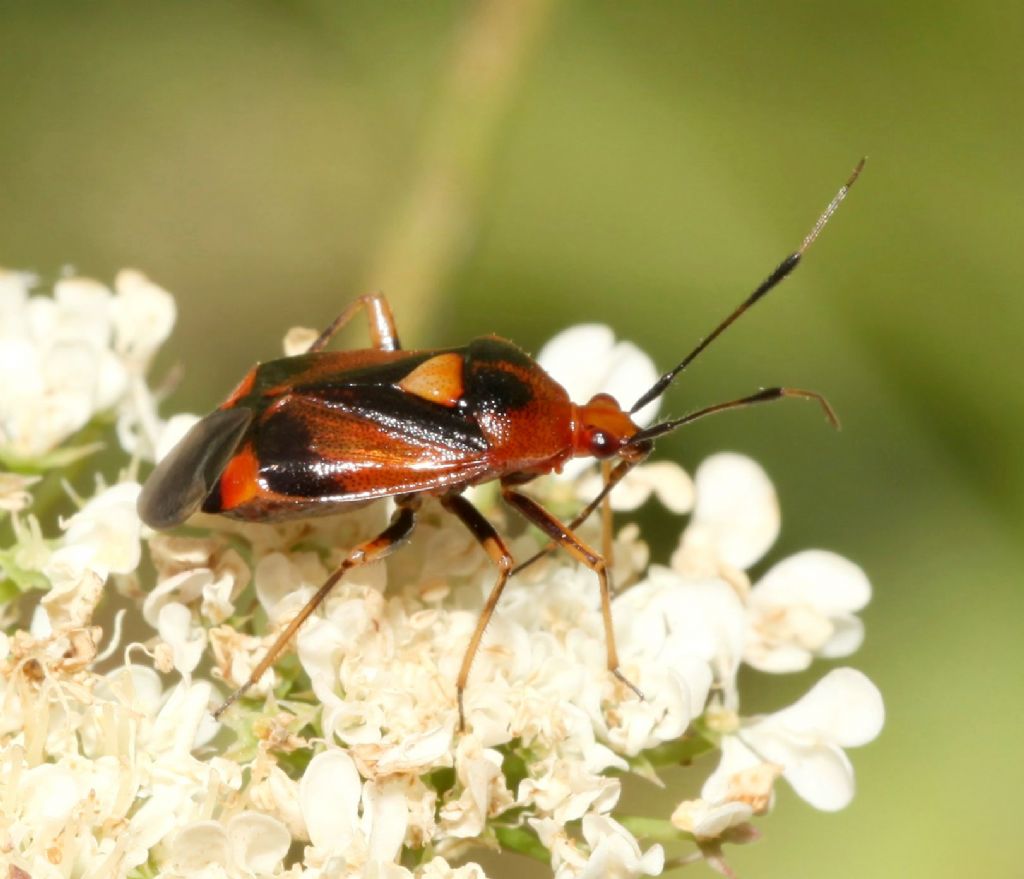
x=372 y=550
x=383 y=334
x=564 y=537
x=495 y=547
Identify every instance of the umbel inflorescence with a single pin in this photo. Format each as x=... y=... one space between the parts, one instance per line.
x=347 y=760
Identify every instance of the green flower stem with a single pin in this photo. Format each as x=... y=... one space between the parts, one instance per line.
x=681 y=751
x=522 y=840
x=653 y=829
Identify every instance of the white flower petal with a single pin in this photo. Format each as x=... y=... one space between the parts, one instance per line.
x=187 y=641
x=665 y=479
x=568 y=357
x=736 y=758
x=672 y=485
x=320 y=648
x=14 y=493
x=417 y=752
x=285 y=583
x=847 y=636
x=843 y=707
x=135 y=685
x=223 y=587
x=710 y=820
x=806 y=739
x=298 y=339
x=329 y=796
x=483 y=789
x=777 y=659
x=258 y=842
x=671 y=630
x=439 y=868
x=821 y=579
x=736 y=516
x=185 y=586
x=112 y=381
x=48 y=794
x=110 y=526
x=385 y=805
x=630 y=373
x=615 y=853
x=83 y=312
x=76 y=590
x=143 y=315
x=179 y=722
x=200 y=844
x=154 y=821
x=585 y=359
x=802 y=608
x=667 y=616
x=820 y=774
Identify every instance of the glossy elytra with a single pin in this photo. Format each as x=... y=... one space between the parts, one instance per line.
x=325 y=431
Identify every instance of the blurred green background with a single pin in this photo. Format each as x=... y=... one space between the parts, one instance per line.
x=516 y=167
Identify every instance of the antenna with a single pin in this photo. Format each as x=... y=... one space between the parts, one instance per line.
x=783 y=269
x=766 y=395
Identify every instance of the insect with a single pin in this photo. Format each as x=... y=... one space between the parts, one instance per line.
x=325 y=431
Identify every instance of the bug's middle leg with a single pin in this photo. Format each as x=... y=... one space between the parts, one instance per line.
x=383 y=333
x=495 y=547
x=564 y=537
x=607 y=522
x=372 y=550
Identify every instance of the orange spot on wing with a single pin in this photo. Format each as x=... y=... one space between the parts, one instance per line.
x=243 y=388
x=238 y=481
x=438 y=380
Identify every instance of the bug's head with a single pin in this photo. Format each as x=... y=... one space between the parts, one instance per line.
x=181 y=481
x=604 y=429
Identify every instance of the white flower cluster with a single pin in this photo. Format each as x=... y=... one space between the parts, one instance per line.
x=68 y=357
x=347 y=760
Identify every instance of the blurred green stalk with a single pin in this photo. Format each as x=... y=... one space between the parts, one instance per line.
x=428 y=234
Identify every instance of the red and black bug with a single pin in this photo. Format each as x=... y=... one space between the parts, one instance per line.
x=324 y=431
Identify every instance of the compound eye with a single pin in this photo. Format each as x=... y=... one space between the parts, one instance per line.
x=601 y=444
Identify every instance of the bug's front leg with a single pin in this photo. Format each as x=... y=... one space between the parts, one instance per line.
x=383 y=334
x=371 y=550
x=495 y=547
x=612 y=477
x=564 y=537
